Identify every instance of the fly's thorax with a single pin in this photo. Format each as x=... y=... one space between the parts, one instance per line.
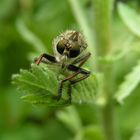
x=68 y=45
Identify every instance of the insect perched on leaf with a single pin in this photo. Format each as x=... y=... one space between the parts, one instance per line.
x=69 y=55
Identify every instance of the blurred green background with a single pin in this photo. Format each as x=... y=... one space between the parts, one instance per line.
x=46 y=19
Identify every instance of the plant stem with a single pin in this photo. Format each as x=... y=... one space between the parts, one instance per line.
x=102 y=12
x=109 y=122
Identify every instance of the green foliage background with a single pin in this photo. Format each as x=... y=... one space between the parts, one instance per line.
x=27 y=28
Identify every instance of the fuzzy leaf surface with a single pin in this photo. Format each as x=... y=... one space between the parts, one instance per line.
x=132 y=80
x=40 y=84
x=130 y=18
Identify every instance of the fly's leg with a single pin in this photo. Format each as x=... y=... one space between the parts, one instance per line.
x=59 y=94
x=84 y=74
x=61 y=84
x=69 y=92
x=76 y=69
x=81 y=60
x=48 y=58
x=72 y=82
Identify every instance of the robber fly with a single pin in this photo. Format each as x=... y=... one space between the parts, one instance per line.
x=69 y=54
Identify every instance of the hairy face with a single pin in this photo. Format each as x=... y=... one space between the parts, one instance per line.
x=71 y=49
x=70 y=44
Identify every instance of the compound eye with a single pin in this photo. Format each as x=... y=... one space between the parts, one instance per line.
x=74 y=53
x=60 y=47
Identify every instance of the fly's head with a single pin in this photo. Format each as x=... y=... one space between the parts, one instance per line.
x=68 y=45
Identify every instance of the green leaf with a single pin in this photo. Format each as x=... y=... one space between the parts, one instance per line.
x=40 y=85
x=92 y=132
x=70 y=118
x=131 y=81
x=129 y=122
x=29 y=36
x=130 y=18
x=136 y=135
